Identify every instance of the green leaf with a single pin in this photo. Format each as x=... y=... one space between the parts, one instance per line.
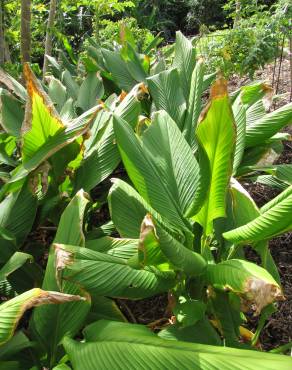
x=12 y=113
x=167 y=94
x=252 y=283
x=254 y=92
x=141 y=349
x=68 y=318
x=57 y=93
x=71 y=222
x=156 y=245
x=12 y=310
x=202 y=332
x=101 y=156
x=185 y=61
x=90 y=91
x=268 y=125
x=62 y=138
x=16 y=344
x=118 y=68
x=239 y=112
x=103 y=308
x=189 y=311
x=275 y=219
x=241 y=200
x=121 y=248
x=71 y=85
x=12 y=85
x=216 y=134
x=41 y=120
x=17 y=213
x=161 y=166
x=128 y=209
x=17 y=260
x=149 y=251
x=103 y=274
x=194 y=103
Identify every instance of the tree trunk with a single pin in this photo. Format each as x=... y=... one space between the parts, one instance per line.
x=49 y=41
x=237 y=13
x=2 y=48
x=25 y=30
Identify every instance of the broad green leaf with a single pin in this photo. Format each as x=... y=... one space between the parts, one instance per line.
x=117 y=247
x=216 y=134
x=12 y=85
x=103 y=274
x=65 y=319
x=252 y=283
x=194 y=105
x=273 y=202
x=189 y=311
x=270 y=181
x=184 y=259
x=149 y=251
x=133 y=62
x=67 y=112
x=57 y=93
x=16 y=344
x=239 y=112
x=128 y=209
x=255 y=112
x=275 y=219
x=161 y=166
x=103 y=308
x=156 y=246
x=71 y=222
x=41 y=121
x=62 y=367
x=282 y=172
x=62 y=138
x=17 y=260
x=202 y=332
x=17 y=213
x=185 y=61
x=167 y=94
x=54 y=66
x=12 y=310
x=241 y=200
x=11 y=113
x=268 y=125
x=90 y=91
x=118 y=68
x=141 y=349
x=101 y=156
x=71 y=85
x=255 y=92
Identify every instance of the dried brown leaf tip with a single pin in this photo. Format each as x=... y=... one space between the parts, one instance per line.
x=34 y=87
x=147 y=227
x=63 y=258
x=122 y=95
x=47 y=297
x=259 y=294
x=142 y=90
x=219 y=88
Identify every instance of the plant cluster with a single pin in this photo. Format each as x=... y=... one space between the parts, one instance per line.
x=179 y=217
x=254 y=40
